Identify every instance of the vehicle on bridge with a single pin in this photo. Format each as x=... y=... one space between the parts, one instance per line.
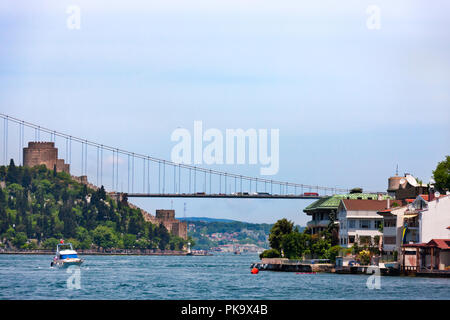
x=311 y=194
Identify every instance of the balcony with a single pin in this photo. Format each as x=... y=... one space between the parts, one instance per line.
x=318 y=223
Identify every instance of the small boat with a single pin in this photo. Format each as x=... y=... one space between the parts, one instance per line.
x=66 y=257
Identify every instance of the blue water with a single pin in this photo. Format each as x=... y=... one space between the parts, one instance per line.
x=199 y=277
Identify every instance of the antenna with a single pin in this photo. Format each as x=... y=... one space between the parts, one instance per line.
x=396 y=171
x=171 y=204
x=184 y=211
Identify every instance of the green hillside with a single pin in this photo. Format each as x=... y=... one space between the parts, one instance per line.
x=40 y=206
x=209 y=233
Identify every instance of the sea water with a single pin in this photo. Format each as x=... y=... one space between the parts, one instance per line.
x=221 y=276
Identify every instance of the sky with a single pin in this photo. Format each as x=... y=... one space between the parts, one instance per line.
x=350 y=102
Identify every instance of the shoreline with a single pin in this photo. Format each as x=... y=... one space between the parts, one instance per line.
x=49 y=252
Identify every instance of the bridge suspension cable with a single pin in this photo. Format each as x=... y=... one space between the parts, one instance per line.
x=184 y=170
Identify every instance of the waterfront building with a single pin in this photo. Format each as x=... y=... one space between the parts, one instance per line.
x=392 y=230
x=427 y=257
x=414 y=225
x=359 y=221
x=325 y=209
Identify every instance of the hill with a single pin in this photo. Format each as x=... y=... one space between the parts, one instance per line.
x=205 y=219
x=211 y=233
x=40 y=206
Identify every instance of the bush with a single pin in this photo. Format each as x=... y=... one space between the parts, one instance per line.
x=50 y=243
x=364 y=257
x=270 y=253
x=333 y=252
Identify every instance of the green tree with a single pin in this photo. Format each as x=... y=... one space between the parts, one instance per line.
x=333 y=252
x=104 y=237
x=163 y=235
x=20 y=239
x=295 y=244
x=12 y=176
x=129 y=240
x=441 y=175
x=356 y=190
x=50 y=243
x=279 y=229
x=270 y=253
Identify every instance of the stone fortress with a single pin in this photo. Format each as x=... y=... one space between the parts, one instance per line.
x=174 y=226
x=38 y=153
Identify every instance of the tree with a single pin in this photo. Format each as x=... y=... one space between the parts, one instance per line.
x=279 y=229
x=26 y=178
x=320 y=247
x=50 y=243
x=163 y=235
x=333 y=252
x=356 y=190
x=20 y=239
x=129 y=241
x=82 y=235
x=12 y=176
x=104 y=237
x=270 y=253
x=442 y=175
x=295 y=244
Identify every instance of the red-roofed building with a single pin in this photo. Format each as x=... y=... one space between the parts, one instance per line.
x=359 y=221
x=427 y=257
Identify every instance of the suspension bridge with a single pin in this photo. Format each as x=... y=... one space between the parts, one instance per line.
x=122 y=172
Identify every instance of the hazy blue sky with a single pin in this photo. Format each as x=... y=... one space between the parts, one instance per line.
x=350 y=103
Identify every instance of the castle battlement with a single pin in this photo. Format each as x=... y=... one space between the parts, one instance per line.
x=43 y=152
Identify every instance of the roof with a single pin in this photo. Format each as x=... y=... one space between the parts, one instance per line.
x=367 y=205
x=443 y=244
x=332 y=202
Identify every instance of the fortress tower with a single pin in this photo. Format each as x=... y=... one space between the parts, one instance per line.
x=174 y=226
x=38 y=153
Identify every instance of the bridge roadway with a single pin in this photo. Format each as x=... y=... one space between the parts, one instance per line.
x=220 y=195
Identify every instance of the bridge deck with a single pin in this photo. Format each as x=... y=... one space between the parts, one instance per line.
x=220 y=195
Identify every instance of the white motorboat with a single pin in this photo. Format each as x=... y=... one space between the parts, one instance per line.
x=66 y=257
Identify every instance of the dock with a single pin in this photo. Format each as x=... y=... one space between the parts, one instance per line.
x=287 y=265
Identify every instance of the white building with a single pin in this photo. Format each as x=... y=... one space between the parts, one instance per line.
x=392 y=228
x=434 y=218
x=424 y=220
x=359 y=221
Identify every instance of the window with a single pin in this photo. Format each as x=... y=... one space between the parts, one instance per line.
x=351 y=224
x=390 y=223
x=377 y=224
x=389 y=239
x=365 y=224
x=351 y=239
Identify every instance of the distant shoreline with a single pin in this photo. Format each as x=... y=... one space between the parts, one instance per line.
x=99 y=253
